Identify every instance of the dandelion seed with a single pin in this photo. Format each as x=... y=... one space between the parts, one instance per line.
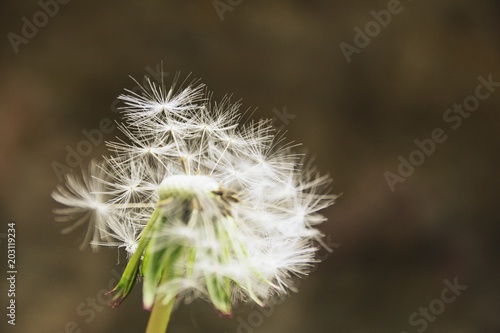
x=205 y=206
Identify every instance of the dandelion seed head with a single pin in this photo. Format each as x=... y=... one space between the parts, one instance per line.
x=232 y=209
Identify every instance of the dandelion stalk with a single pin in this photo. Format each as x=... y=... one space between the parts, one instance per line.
x=160 y=317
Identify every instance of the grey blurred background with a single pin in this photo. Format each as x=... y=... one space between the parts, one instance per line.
x=393 y=249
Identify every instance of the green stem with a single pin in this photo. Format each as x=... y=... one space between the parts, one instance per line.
x=160 y=316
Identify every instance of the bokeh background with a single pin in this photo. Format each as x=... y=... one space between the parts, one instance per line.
x=393 y=250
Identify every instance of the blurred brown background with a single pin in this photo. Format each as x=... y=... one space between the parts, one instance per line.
x=396 y=248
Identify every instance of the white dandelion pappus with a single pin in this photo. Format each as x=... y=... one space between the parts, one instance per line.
x=86 y=203
x=206 y=207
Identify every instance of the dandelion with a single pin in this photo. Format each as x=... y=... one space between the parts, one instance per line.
x=205 y=205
